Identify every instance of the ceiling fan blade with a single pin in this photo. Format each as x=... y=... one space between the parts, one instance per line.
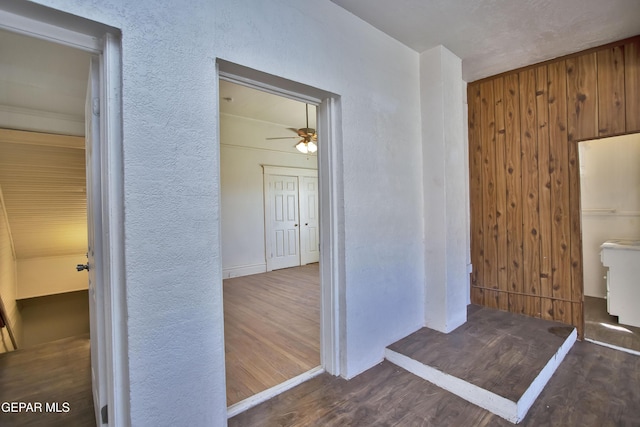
x=285 y=137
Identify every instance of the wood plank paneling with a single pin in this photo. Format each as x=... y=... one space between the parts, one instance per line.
x=513 y=157
x=611 y=91
x=544 y=176
x=576 y=228
x=559 y=171
x=525 y=174
x=477 y=295
x=475 y=186
x=582 y=97
x=632 y=85
x=501 y=187
x=530 y=182
x=488 y=135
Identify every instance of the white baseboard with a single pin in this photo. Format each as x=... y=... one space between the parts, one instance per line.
x=244 y=270
x=614 y=347
x=263 y=396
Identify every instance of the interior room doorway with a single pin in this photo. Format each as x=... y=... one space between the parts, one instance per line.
x=609 y=182
x=270 y=241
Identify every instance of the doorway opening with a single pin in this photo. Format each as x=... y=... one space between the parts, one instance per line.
x=47 y=123
x=609 y=182
x=280 y=260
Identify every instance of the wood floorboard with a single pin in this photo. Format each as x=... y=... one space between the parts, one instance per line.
x=59 y=371
x=272 y=329
x=594 y=386
x=602 y=327
x=498 y=351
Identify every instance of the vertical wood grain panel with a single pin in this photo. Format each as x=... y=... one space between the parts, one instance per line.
x=581 y=97
x=532 y=306
x=632 y=85
x=475 y=184
x=477 y=295
x=491 y=298
x=576 y=224
x=501 y=185
x=513 y=154
x=546 y=308
x=516 y=303
x=562 y=311
x=530 y=191
x=559 y=171
x=611 y=91
x=488 y=135
x=577 y=317
x=544 y=176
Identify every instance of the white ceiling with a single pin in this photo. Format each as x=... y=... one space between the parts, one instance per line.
x=493 y=36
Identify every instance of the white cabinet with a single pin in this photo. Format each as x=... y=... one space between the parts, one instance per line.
x=623 y=279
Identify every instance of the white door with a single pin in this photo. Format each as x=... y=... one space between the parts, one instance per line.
x=94 y=250
x=284 y=228
x=309 y=224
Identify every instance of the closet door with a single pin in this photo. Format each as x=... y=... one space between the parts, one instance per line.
x=283 y=227
x=309 y=230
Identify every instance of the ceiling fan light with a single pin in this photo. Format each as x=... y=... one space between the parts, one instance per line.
x=312 y=147
x=302 y=147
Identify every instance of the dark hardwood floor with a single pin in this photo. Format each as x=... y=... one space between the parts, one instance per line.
x=55 y=372
x=602 y=327
x=594 y=386
x=271 y=327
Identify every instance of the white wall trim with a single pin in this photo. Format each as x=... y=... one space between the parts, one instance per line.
x=41 y=121
x=608 y=212
x=45 y=31
x=289 y=171
x=113 y=229
x=269 y=150
x=614 y=347
x=267 y=394
x=244 y=270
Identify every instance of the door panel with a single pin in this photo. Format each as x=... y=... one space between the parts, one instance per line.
x=283 y=222
x=94 y=249
x=309 y=229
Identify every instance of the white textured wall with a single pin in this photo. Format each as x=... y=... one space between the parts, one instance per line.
x=51 y=275
x=8 y=283
x=445 y=190
x=610 y=196
x=172 y=194
x=242 y=152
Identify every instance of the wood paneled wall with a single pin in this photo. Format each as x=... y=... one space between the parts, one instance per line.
x=526 y=244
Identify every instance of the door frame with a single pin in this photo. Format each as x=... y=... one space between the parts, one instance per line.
x=268 y=171
x=331 y=206
x=104 y=42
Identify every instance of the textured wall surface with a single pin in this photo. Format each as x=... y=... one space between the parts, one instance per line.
x=444 y=159
x=172 y=194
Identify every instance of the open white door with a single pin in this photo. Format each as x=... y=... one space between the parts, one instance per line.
x=94 y=250
x=309 y=221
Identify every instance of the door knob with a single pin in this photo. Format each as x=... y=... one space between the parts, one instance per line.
x=81 y=267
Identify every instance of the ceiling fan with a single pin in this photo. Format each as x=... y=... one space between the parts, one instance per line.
x=308 y=138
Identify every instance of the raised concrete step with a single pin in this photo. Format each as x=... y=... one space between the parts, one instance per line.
x=497 y=360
